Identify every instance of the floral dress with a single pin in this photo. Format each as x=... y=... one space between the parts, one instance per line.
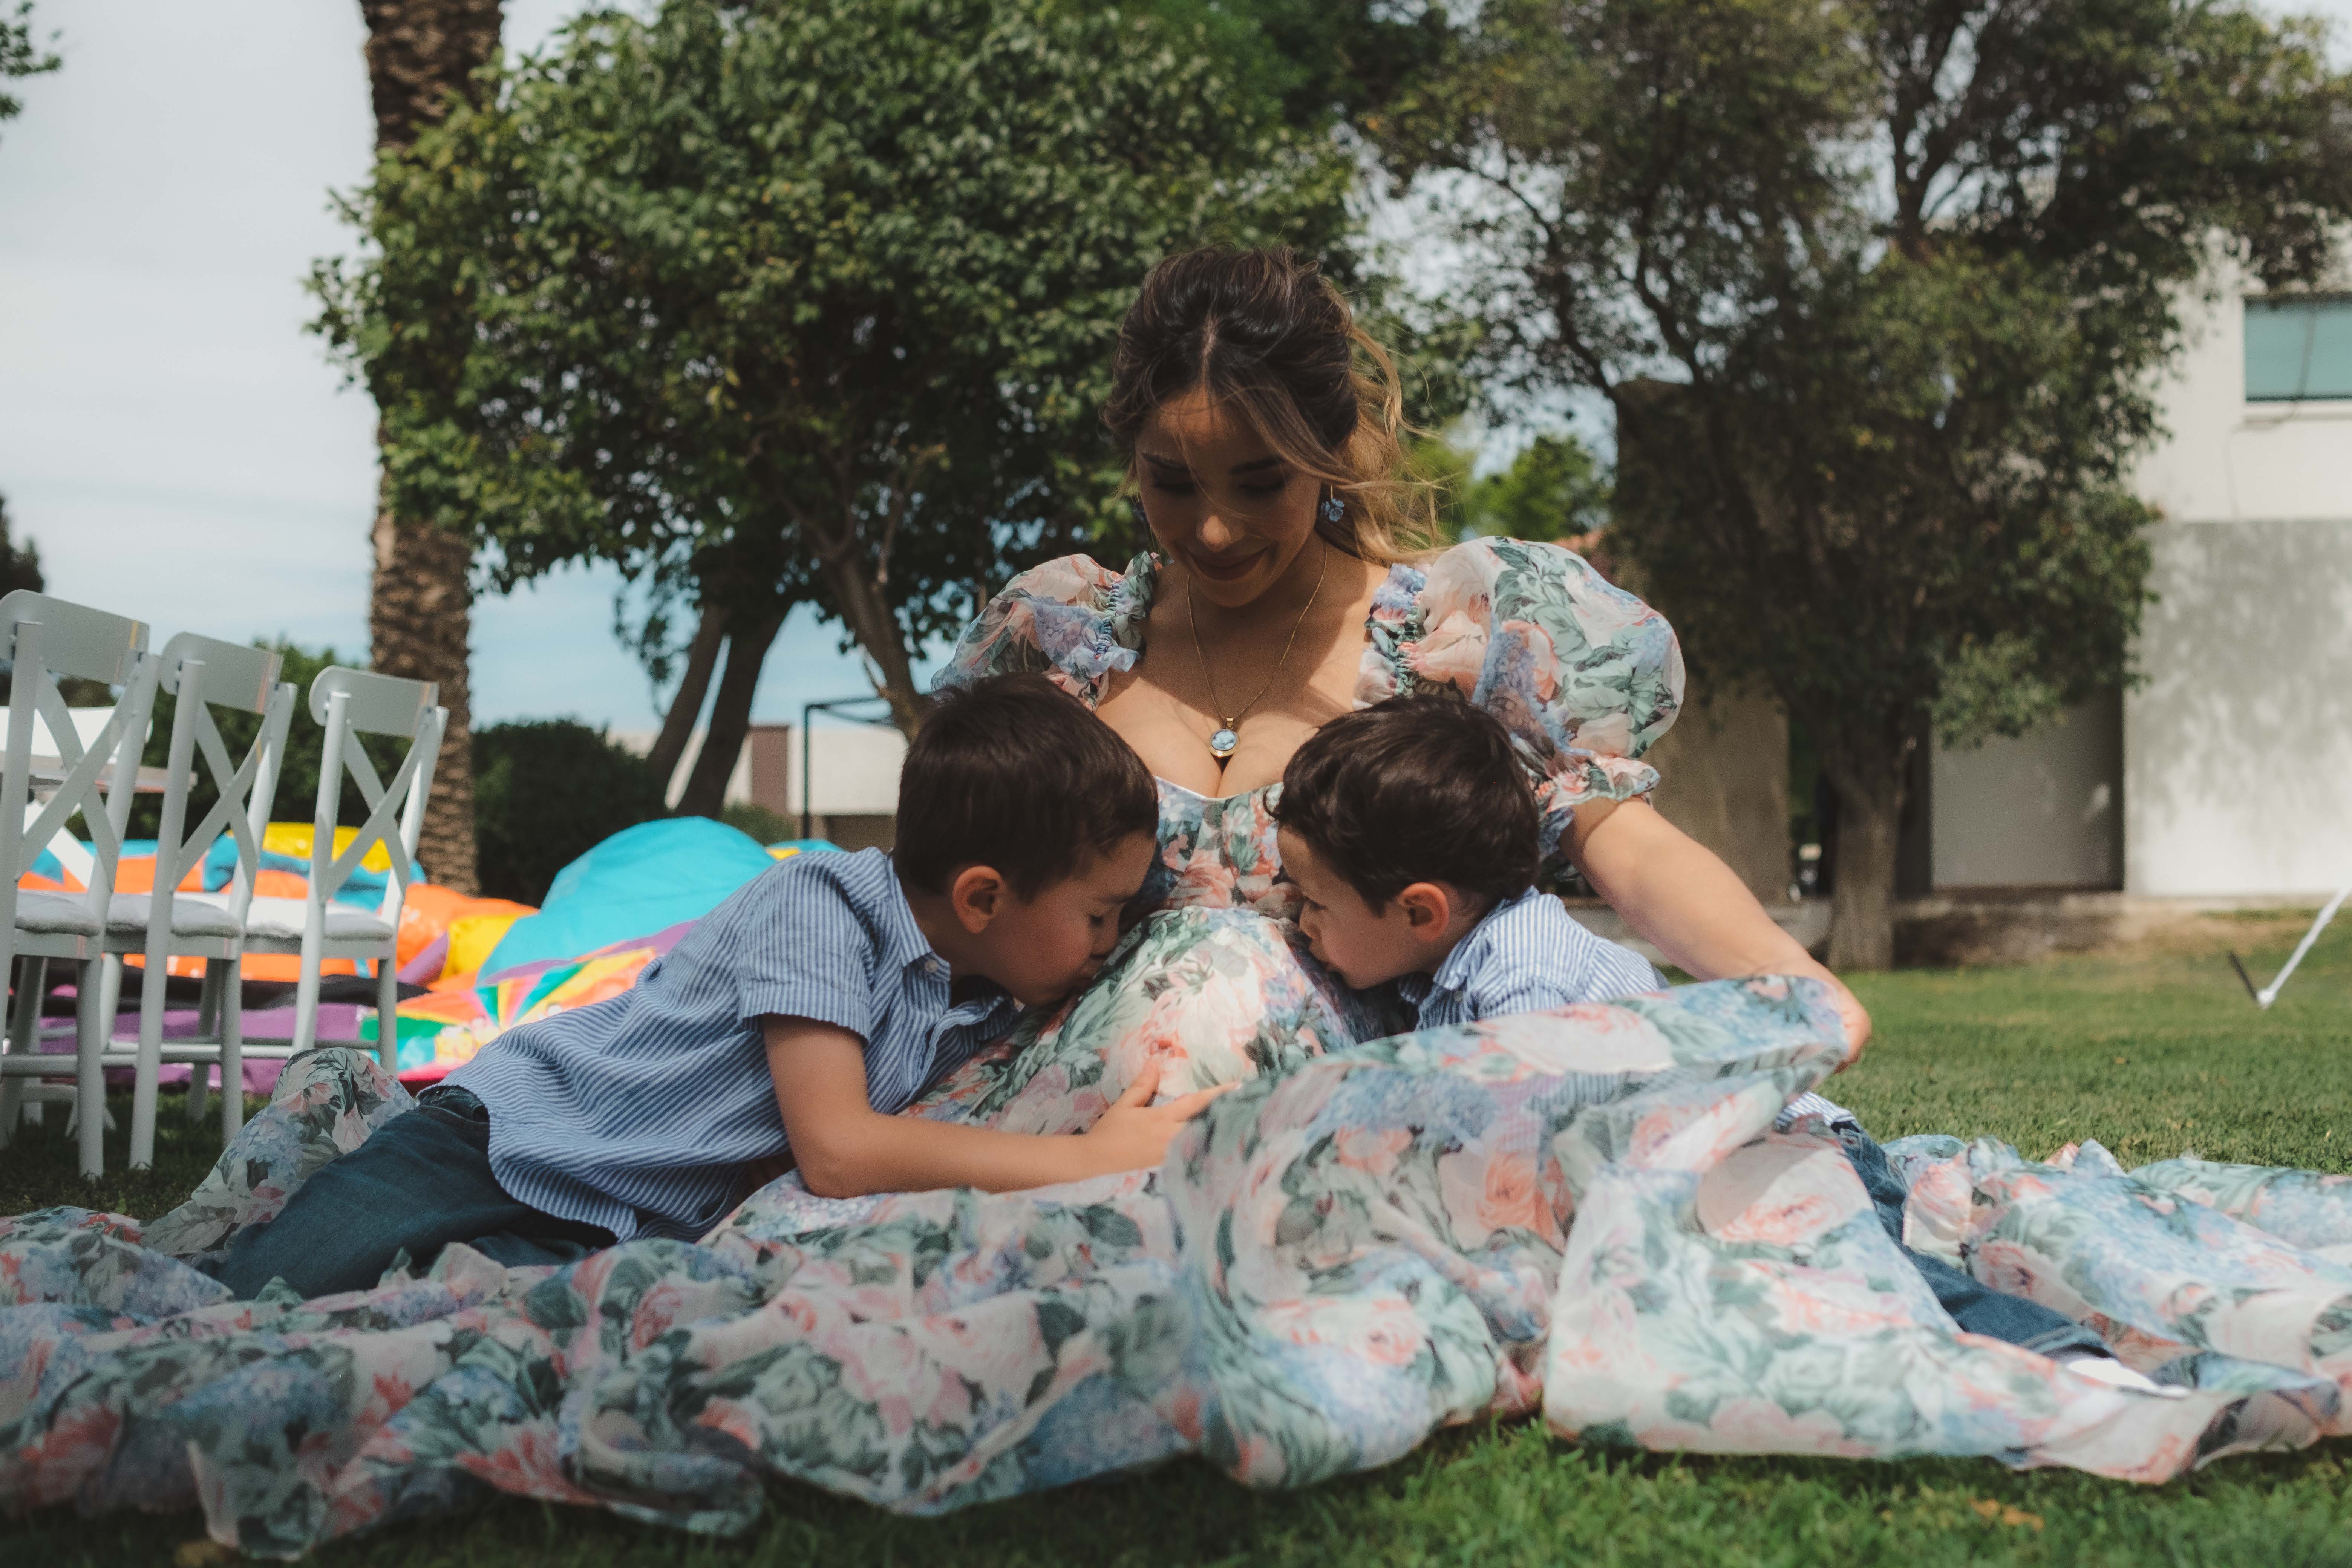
x=1215 y=981
x=1588 y=1212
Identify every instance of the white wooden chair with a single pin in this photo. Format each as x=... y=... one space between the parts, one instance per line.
x=45 y=639
x=167 y=923
x=350 y=703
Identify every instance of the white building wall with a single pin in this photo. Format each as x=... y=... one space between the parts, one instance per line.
x=2042 y=811
x=855 y=770
x=2238 y=751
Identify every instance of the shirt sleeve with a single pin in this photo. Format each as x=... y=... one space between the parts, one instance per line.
x=805 y=952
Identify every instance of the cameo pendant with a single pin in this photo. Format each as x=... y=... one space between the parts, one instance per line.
x=1224 y=742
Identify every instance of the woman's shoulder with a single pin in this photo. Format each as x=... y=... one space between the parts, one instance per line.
x=1072 y=618
x=1584 y=675
x=1519 y=571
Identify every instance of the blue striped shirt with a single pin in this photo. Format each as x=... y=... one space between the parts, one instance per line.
x=639 y=1112
x=1528 y=955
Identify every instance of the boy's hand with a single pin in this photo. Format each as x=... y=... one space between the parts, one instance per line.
x=1134 y=1134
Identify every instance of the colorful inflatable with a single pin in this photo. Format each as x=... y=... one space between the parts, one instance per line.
x=487 y=965
x=491 y=966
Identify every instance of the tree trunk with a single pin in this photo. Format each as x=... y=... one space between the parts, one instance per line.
x=868 y=611
x=677 y=724
x=731 y=717
x=1861 y=903
x=420 y=618
x=420 y=603
x=418 y=53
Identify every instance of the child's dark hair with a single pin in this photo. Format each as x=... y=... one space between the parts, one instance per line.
x=1014 y=772
x=1423 y=788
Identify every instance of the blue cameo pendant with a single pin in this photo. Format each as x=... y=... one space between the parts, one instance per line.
x=1222 y=743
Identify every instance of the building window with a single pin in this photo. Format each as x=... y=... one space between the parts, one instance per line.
x=2298 y=346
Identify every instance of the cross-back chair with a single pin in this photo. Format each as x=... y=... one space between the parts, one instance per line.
x=202 y=673
x=350 y=703
x=46 y=640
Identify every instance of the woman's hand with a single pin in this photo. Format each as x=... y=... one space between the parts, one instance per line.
x=1134 y=1134
x=1690 y=906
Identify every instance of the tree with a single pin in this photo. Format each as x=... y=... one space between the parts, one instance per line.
x=551 y=790
x=802 y=303
x=1555 y=488
x=1878 y=293
x=20 y=55
x=20 y=565
x=422 y=54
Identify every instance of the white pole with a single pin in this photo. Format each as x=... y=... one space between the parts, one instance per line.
x=2268 y=994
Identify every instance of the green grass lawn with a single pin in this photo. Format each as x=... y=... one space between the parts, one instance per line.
x=2149 y=1052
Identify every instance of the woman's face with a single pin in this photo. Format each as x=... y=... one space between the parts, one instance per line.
x=1219 y=500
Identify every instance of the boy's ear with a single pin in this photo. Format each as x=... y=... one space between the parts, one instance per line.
x=976 y=895
x=1428 y=909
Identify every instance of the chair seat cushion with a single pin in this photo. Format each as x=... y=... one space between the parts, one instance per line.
x=62 y=912
x=282 y=919
x=191 y=914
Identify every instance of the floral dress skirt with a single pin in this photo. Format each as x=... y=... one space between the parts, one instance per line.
x=1583 y=1213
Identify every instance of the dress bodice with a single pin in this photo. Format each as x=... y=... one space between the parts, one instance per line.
x=1584 y=676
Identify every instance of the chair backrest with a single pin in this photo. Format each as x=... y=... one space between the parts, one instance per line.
x=349 y=703
x=45 y=639
x=204 y=673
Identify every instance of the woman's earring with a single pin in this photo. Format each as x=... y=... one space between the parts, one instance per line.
x=1135 y=505
x=1332 y=509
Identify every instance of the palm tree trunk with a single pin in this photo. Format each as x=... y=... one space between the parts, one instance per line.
x=420 y=603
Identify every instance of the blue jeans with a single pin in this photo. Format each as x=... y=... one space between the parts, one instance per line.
x=1978 y=1309
x=421 y=1181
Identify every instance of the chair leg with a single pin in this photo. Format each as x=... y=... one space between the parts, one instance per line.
x=151 y=1057
x=200 y=1073
x=93 y=1028
x=306 y=997
x=24 y=1037
x=232 y=1049
x=387 y=1015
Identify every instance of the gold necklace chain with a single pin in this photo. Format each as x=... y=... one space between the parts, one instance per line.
x=1227 y=739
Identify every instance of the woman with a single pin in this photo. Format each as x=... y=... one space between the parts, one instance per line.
x=1263 y=429
x=1341 y=1260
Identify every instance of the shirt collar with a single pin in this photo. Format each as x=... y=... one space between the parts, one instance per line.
x=903 y=942
x=908 y=951
x=1472 y=950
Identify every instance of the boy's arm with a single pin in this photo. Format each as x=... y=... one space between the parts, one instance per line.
x=846 y=1148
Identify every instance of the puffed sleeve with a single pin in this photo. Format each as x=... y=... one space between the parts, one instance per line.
x=1073 y=619
x=1585 y=676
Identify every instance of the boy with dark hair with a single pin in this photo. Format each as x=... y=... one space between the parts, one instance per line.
x=1411 y=832
x=825 y=994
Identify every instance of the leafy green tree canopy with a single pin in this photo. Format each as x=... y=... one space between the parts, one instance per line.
x=20 y=55
x=816 y=299
x=1878 y=291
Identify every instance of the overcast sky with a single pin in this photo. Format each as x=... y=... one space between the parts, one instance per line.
x=178 y=446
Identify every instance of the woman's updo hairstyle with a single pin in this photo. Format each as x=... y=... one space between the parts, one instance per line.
x=1268 y=335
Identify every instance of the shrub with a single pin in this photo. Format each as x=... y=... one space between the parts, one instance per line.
x=545 y=793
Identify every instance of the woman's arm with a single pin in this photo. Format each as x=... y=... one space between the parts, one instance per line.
x=846 y=1149
x=1688 y=903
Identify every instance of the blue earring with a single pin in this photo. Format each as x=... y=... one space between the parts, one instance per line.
x=1135 y=505
x=1332 y=509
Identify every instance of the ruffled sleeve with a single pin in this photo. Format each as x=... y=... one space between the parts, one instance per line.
x=1073 y=619
x=1585 y=676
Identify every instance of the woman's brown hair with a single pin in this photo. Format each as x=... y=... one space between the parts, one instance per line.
x=1266 y=334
